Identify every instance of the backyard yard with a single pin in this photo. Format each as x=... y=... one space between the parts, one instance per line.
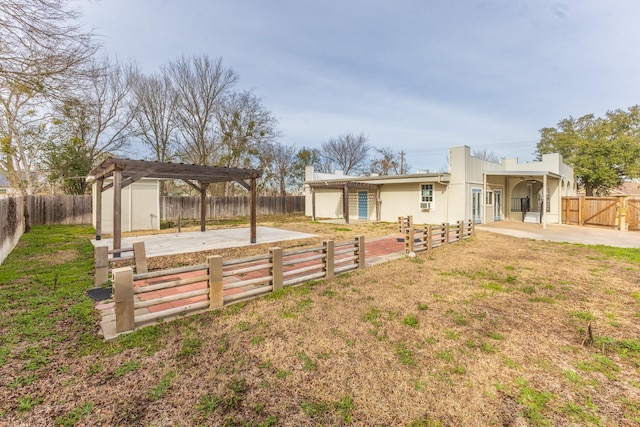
x=489 y=331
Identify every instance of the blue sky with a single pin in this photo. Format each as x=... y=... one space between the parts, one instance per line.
x=413 y=75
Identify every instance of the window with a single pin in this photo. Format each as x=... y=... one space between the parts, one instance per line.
x=489 y=197
x=426 y=197
x=426 y=193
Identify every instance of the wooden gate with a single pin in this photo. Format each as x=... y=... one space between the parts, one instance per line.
x=633 y=214
x=599 y=211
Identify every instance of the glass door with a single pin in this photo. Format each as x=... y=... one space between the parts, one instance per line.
x=363 y=204
x=476 y=206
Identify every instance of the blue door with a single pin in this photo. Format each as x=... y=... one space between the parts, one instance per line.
x=363 y=204
x=476 y=206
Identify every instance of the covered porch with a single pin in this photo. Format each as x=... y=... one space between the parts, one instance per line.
x=529 y=196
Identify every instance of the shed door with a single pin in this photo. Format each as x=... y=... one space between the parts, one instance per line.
x=363 y=204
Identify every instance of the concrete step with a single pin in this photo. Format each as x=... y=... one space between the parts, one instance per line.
x=532 y=217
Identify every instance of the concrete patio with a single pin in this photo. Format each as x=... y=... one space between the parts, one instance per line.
x=565 y=233
x=196 y=241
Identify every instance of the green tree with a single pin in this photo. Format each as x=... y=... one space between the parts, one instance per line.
x=68 y=165
x=303 y=157
x=602 y=150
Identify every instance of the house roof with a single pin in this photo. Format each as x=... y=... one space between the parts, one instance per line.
x=341 y=181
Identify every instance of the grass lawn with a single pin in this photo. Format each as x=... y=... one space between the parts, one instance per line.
x=489 y=331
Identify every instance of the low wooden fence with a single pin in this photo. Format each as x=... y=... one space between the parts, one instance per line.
x=433 y=236
x=145 y=297
x=105 y=258
x=620 y=213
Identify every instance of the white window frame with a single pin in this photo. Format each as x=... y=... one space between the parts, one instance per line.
x=489 y=198
x=429 y=196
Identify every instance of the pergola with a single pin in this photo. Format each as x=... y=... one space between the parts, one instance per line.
x=126 y=172
x=344 y=186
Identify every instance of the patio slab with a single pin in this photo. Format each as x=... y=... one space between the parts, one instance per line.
x=197 y=241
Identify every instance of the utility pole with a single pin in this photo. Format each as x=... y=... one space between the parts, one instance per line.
x=402 y=162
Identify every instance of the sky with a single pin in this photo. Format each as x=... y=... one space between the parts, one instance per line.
x=417 y=76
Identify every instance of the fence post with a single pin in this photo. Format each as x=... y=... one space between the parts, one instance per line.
x=409 y=240
x=140 y=257
x=400 y=224
x=581 y=204
x=472 y=225
x=428 y=233
x=328 y=258
x=460 y=233
x=216 y=296
x=275 y=255
x=445 y=228
x=123 y=297
x=360 y=251
x=101 y=258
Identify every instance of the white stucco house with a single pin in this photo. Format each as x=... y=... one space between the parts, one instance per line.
x=472 y=189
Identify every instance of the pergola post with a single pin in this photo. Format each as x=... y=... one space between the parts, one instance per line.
x=117 y=209
x=99 y=184
x=203 y=206
x=253 y=210
x=313 y=203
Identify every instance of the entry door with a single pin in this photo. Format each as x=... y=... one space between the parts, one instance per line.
x=363 y=204
x=497 y=205
x=476 y=206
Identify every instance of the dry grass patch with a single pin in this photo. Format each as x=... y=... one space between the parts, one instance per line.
x=483 y=332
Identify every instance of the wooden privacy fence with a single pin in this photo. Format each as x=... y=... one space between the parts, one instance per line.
x=621 y=213
x=59 y=209
x=145 y=297
x=432 y=236
x=186 y=207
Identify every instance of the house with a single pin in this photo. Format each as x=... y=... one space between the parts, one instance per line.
x=5 y=187
x=473 y=188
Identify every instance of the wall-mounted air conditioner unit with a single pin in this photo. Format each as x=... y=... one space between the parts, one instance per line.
x=426 y=205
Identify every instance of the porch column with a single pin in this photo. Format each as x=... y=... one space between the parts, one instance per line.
x=544 y=201
x=483 y=200
x=313 y=203
x=378 y=204
x=345 y=204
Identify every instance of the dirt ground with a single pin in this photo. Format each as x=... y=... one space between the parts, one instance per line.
x=489 y=331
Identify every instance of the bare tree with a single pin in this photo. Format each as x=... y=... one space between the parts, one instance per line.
x=282 y=159
x=21 y=125
x=199 y=84
x=154 y=109
x=42 y=44
x=487 y=155
x=245 y=128
x=347 y=152
x=388 y=162
x=96 y=120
